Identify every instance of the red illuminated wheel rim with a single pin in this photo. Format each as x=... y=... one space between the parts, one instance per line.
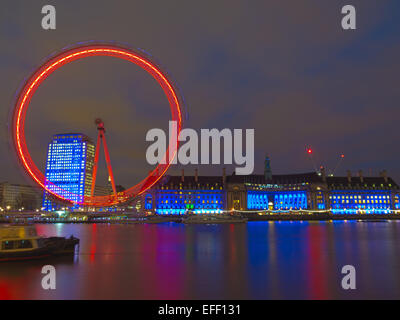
x=69 y=55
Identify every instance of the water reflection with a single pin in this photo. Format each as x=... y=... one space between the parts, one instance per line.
x=258 y=260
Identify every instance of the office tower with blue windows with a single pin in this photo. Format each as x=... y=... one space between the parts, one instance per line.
x=69 y=166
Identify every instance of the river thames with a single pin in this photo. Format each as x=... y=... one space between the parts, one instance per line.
x=257 y=260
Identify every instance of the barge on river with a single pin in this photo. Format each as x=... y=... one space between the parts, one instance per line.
x=21 y=242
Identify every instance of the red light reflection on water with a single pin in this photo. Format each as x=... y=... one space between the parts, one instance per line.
x=316 y=263
x=93 y=243
x=5 y=291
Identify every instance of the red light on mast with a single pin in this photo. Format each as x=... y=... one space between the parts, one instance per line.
x=309 y=151
x=342 y=156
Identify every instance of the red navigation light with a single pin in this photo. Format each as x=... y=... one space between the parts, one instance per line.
x=342 y=156
x=309 y=151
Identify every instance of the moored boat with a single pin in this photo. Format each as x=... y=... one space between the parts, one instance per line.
x=21 y=242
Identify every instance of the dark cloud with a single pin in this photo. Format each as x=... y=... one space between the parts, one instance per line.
x=285 y=68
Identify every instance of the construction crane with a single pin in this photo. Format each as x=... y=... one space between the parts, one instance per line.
x=341 y=158
x=310 y=153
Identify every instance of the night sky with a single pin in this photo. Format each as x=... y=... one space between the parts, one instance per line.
x=285 y=68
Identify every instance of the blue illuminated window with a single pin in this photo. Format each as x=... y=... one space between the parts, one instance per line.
x=282 y=200
x=197 y=201
x=361 y=202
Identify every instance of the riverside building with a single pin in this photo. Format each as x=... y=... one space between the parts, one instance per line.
x=69 y=166
x=280 y=193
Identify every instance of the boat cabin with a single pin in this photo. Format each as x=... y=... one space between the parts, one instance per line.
x=18 y=238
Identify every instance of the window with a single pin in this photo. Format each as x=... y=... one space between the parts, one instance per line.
x=7 y=245
x=24 y=244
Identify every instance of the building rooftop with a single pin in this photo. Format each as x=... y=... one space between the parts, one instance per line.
x=188 y=181
x=71 y=136
x=276 y=179
x=283 y=179
x=356 y=183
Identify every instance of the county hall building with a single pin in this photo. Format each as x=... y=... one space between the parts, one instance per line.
x=281 y=193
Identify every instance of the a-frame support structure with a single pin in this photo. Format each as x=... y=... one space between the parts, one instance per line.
x=101 y=138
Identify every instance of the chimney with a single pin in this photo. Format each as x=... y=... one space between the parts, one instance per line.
x=223 y=176
x=349 y=176
x=323 y=174
x=267 y=169
x=360 y=174
x=384 y=176
x=196 y=175
x=183 y=176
